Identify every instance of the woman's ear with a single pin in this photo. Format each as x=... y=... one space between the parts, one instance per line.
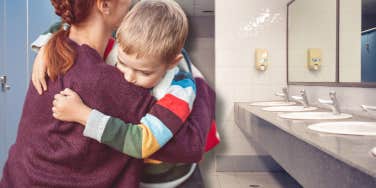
x=104 y=6
x=175 y=61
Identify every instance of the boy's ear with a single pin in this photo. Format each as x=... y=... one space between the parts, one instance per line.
x=104 y=6
x=175 y=61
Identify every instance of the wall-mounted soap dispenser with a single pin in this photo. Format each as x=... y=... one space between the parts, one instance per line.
x=261 y=59
x=314 y=59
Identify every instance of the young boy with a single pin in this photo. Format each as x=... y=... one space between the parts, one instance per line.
x=150 y=40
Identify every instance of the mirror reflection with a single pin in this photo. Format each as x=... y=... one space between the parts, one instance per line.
x=312 y=41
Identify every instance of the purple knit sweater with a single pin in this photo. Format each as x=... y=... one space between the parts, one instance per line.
x=51 y=153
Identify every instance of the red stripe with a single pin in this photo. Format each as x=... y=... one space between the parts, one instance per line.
x=110 y=45
x=175 y=105
x=212 y=140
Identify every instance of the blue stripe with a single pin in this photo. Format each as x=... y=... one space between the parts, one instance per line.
x=159 y=130
x=185 y=83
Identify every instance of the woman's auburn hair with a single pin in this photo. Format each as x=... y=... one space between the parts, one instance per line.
x=59 y=53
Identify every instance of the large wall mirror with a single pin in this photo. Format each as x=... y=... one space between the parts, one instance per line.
x=312 y=43
x=357 y=53
x=333 y=44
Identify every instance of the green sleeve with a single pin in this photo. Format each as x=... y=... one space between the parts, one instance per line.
x=53 y=28
x=124 y=137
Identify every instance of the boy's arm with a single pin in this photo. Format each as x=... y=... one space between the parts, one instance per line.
x=45 y=37
x=156 y=128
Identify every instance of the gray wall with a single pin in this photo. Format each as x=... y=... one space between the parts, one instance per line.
x=200 y=45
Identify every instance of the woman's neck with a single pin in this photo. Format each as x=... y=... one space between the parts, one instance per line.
x=93 y=33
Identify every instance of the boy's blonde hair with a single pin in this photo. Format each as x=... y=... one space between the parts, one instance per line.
x=154 y=28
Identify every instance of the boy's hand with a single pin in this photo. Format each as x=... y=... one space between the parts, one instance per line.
x=39 y=72
x=68 y=106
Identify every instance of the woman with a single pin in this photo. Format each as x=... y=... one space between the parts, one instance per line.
x=50 y=153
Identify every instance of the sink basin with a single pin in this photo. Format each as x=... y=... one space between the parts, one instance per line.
x=314 y=116
x=273 y=103
x=373 y=151
x=348 y=128
x=289 y=109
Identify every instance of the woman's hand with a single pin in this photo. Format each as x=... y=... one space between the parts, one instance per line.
x=68 y=106
x=39 y=72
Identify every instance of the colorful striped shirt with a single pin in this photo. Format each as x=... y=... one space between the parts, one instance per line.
x=156 y=128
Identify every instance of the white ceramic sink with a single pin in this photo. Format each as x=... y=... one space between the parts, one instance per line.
x=373 y=151
x=315 y=116
x=272 y=103
x=289 y=109
x=346 y=127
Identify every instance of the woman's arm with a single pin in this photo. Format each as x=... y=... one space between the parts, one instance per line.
x=188 y=145
x=144 y=139
x=137 y=140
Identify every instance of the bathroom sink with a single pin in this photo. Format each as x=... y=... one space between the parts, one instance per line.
x=272 y=103
x=289 y=108
x=314 y=116
x=348 y=128
x=373 y=151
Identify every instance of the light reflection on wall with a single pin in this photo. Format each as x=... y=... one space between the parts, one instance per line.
x=256 y=24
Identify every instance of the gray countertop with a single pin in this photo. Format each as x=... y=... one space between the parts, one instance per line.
x=352 y=150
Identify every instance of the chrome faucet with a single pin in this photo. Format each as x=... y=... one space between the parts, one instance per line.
x=367 y=108
x=302 y=99
x=284 y=94
x=332 y=103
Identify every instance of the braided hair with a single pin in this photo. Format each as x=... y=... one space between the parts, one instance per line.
x=60 y=55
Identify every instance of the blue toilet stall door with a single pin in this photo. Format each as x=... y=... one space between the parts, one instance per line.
x=369 y=56
x=21 y=21
x=2 y=94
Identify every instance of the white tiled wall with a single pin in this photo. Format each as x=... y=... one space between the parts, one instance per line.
x=236 y=79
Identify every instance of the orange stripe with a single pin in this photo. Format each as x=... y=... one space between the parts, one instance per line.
x=149 y=142
x=175 y=105
x=152 y=161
